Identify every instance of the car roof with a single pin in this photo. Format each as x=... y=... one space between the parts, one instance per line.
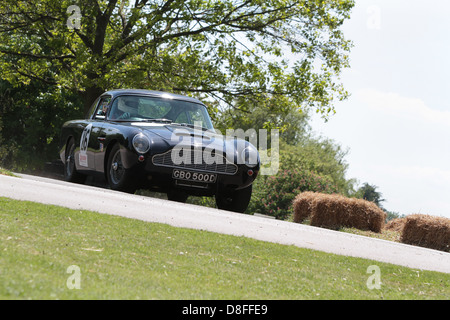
x=150 y=93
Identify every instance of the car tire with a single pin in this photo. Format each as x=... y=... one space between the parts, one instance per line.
x=119 y=178
x=70 y=171
x=236 y=200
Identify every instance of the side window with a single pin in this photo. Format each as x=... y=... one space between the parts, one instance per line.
x=92 y=109
x=102 y=107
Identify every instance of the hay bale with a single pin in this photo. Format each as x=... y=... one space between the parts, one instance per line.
x=336 y=211
x=366 y=215
x=427 y=231
x=396 y=224
x=328 y=212
x=303 y=205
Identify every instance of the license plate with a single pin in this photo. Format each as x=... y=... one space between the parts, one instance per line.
x=194 y=176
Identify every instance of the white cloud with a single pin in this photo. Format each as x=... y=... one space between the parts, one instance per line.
x=399 y=144
x=412 y=189
x=405 y=107
x=418 y=174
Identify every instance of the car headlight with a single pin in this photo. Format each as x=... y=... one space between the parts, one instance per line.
x=141 y=143
x=250 y=156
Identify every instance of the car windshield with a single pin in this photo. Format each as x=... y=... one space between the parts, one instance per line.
x=140 y=108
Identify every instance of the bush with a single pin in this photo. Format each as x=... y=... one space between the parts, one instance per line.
x=31 y=117
x=274 y=195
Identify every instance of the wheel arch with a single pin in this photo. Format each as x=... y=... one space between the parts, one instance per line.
x=63 y=148
x=109 y=147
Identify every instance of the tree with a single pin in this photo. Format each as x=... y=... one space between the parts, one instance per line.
x=369 y=192
x=222 y=49
x=320 y=155
x=274 y=112
x=31 y=117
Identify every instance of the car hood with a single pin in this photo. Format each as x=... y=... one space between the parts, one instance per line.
x=180 y=136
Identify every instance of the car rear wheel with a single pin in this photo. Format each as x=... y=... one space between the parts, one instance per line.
x=236 y=200
x=119 y=178
x=70 y=171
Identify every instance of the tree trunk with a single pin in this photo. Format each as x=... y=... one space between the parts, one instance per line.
x=89 y=96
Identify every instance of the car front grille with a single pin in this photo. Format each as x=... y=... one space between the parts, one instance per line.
x=199 y=161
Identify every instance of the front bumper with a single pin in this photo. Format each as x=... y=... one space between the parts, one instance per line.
x=156 y=174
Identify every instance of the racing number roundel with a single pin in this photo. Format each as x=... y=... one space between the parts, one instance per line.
x=83 y=159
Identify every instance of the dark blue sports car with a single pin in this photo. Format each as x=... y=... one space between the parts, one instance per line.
x=162 y=142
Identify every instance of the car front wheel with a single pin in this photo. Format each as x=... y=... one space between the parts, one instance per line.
x=119 y=178
x=236 y=200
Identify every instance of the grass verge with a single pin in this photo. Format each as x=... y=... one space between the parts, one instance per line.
x=6 y=172
x=121 y=258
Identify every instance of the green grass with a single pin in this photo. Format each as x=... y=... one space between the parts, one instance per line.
x=121 y=258
x=6 y=172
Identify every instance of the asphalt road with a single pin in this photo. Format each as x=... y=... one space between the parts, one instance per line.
x=83 y=197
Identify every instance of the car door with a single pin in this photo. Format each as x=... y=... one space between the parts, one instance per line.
x=91 y=140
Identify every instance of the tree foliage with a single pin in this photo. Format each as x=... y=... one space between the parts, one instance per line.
x=320 y=155
x=274 y=112
x=222 y=49
x=31 y=117
x=369 y=192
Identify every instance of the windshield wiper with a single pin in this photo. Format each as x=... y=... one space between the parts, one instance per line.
x=183 y=124
x=162 y=120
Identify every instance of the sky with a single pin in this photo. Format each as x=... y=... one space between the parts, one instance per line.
x=396 y=123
